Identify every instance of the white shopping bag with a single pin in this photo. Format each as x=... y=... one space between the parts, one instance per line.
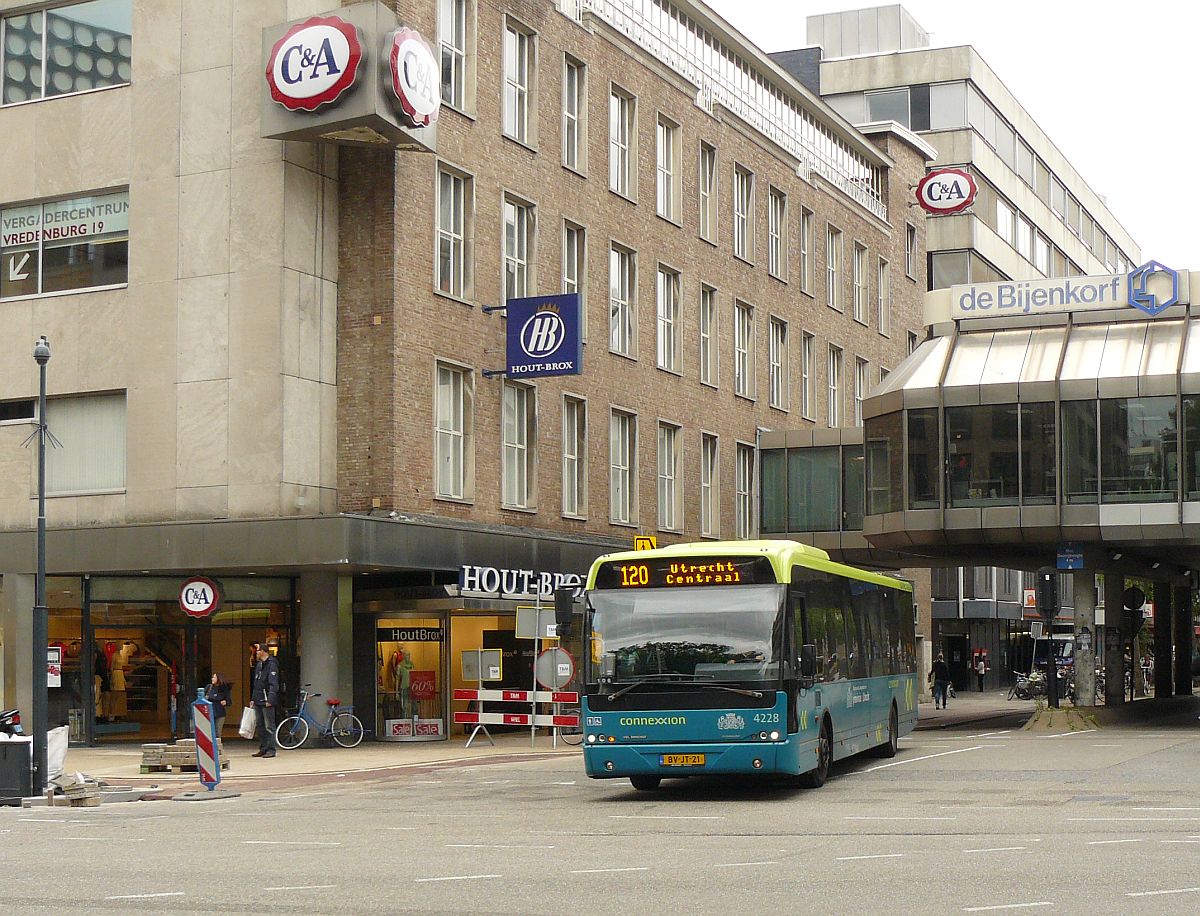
x=249 y=723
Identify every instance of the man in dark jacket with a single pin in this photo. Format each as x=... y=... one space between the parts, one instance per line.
x=264 y=696
x=940 y=678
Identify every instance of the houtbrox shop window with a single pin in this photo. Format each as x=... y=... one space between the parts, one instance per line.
x=67 y=49
x=62 y=245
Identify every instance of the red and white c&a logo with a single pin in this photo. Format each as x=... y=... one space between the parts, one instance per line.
x=314 y=63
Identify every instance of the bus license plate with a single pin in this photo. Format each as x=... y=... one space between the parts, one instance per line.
x=681 y=760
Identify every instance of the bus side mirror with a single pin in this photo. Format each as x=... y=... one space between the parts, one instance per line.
x=808 y=665
x=564 y=610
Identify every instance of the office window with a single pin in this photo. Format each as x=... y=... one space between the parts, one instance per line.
x=59 y=245
x=859 y=279
x=777 y=230
x=947 y=106
x=574 y=150
x=453 y=423
x=1041 y=253
x=708 y=192
x=669 y=324
x=806 y=375
x=622 y=112
x=574 y=271
x=883 y=299
x=834 y=404
x=744 y=492
x=743 y=213
x=861 y=383
x=710 y=487
x=670 y=509
x=708 y=336
x=574 y=456
x=66 y=49
x=622 y=445
x=622 y=329
x=1024 y=238
x=833 y=265
x=883 y=373
x=518 y=248
x=452 y=34
x=519 y=431
x=743 y=349
x=910 y=250
x=519 y=67
x=913 y=341
x=455 y=232
x=889 y=105
x=778 y=364
x=91 y=431
x=667 y=172
x=1004 y=221
x=806 y=220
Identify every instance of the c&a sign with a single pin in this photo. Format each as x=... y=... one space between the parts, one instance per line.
x=543 y=336
x=199 y=596
x=314 y=63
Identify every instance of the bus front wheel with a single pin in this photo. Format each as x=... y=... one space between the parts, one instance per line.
x=645 y=783
x=815 y=778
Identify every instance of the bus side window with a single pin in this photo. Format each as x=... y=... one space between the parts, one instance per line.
x=856 y=626
x=908 y=629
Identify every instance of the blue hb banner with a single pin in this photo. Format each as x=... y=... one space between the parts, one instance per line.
x=544 y=336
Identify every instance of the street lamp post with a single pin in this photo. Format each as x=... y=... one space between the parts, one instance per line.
x=41 y=624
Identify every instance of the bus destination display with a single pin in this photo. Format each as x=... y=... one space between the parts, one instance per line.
x=683 y=572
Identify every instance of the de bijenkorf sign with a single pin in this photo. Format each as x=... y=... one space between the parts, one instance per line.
x=544 y=336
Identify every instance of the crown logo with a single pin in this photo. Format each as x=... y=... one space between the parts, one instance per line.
x=549 y=307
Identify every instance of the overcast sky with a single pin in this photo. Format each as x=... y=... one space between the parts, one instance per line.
x=1116 y=87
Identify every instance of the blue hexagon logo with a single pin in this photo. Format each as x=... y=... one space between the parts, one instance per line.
x=1141 y=297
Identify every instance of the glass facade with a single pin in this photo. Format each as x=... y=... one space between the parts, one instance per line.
x=1038 y=484
x=981 y=449
x=1079 y=457
x=1139 y=450
x=884 y=463
x=923 y=462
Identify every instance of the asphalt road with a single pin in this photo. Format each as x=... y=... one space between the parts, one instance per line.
x=965 y=819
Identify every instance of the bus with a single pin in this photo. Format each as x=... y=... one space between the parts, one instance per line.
x=742 y=657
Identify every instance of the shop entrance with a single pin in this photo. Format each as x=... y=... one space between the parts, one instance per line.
x=411 y=660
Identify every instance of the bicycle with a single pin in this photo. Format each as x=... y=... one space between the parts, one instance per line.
x=571 y=734
x=342 y=725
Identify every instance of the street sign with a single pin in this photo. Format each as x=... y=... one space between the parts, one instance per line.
x=208 y=757
x=554 y=668
x=645 y=542
x=1070 y=556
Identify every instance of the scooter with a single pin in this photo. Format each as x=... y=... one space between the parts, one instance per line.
x=10 y=722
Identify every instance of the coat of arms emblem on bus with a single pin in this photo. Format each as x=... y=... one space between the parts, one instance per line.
x=730 y=721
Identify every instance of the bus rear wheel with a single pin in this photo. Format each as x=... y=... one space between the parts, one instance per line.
x=815 y=778
x=892 y=745
x=645 y=783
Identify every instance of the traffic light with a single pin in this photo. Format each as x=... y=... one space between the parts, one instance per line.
x=564 y=610
x=1047 y=592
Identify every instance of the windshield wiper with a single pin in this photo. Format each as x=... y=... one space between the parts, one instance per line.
x=678 y=679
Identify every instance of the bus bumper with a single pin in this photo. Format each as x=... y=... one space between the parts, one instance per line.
x=614 y=761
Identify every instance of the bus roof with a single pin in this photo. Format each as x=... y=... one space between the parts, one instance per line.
x=784 y=555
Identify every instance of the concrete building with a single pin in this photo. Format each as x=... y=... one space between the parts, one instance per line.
x=273 y=363
x=1034 y=217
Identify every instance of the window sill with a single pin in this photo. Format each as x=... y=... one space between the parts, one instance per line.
x=753 y=399
x=66 y=95
x=862 y=322
x=441 y=294
x=69 y=494
x=625 y=197
x=631 y=525
x=524 y=510
x=715 y=386
x=66 y=292
x=744 y=259
x=674 y=221
x=628 y=356
x=781 y=409
x=574 y=518
x=712 y=242
x=678 y=373
x=457 y=500
x=575 y=171
x=521 y=143
x=836 y=308
x=461 y=112
x=778 y=279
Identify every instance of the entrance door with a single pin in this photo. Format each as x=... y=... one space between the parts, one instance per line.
x=411 y=682
x=958 y=658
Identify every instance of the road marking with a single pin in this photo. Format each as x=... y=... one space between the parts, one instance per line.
x=571 y=783
x=986 y=734
x=1164 y=809
x=290 y=843
x=401 y=828
x=884 y=766
x=984 y=807
x=489 y=846
x=43 y=820
x=596 y=871
x=1179 y=841
x=107 y=839
x=668 y=817
x=1110 y=842
x=297 y=795
x=872 y=817
x=1134 y=819
x=1106 y=745
x=1083 y=731
x=886 y=855
x=997 y=849
x=742 y=864
x=457 y=878
x=301 y=887
x=145 y=896
x=1180 y=890
x=1006 y=906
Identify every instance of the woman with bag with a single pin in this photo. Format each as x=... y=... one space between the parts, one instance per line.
x=219 y=693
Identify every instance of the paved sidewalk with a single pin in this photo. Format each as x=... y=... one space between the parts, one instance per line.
x=969 y=708
x=121 y=764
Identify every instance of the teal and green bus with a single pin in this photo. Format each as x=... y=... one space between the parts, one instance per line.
x=755 y=657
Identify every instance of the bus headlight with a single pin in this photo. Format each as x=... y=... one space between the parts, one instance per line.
x=774 y=736
x=762 y=736
x=591 y=739
x=608 y=765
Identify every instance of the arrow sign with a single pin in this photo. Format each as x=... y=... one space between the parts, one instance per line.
x=16 y=267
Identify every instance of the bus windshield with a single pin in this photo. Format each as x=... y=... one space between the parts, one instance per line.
x=727 y=635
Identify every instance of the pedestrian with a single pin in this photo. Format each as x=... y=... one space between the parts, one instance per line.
x=219 y=693
x=265 y=698
x=980 y=671
x=939 y=676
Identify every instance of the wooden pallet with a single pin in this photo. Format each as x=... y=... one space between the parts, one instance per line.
x=175 y=766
